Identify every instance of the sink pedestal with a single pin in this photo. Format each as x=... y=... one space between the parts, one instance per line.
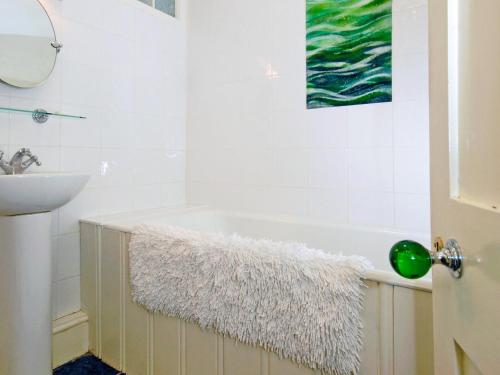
x=25 y=295
x=26 y=267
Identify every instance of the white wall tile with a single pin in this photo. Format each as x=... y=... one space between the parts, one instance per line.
x=82 y=160
x=403 y=5
x=147 y=131
x=371 y=169
x=116 y=168
x=410 y=77
x=408 y=18
x=288 y=43
x=155 y=165
x=290 y=168
x=256 y=167
x=133 y=102
x=55 y=256
x=116 y=199
x=83 y=133
x=289 y=129
x=370 y=125
x=117 y=131
x=176 y=132
x=411 y=171
x=25 y=131
x=54 y=300
x=173 y=194
x=327 y=127
x=174 y=168
x=411 y=124
x=288 y=92
x=122 y=87
x=4 y=126
x=85 y=85
x=86 y=204
x=254 y=132
x=412 y=212
x=54 y=224
x=147 y=196
x=329 y=204
x=80 y=44
x=200 y=166
x=252 y=145
x=328 y=168
x=371 y=208
x=68 y=296
x=68 y=256
x=197 y=193
x=288 y=201
x=84 y=13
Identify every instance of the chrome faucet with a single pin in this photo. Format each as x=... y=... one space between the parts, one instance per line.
x=18 y=164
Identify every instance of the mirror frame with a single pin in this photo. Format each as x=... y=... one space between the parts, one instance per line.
x=55 y=59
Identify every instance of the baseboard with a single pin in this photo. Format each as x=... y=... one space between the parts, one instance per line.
x=70 y=338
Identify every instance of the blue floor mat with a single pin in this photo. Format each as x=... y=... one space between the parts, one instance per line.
x=86 y=365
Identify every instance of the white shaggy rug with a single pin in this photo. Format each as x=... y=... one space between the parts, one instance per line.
x=302 y=303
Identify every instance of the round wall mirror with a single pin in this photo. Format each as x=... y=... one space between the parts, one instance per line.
x=28 y=45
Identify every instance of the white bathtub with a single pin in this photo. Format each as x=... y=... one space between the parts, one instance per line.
x=397 y=315
x=373 y=244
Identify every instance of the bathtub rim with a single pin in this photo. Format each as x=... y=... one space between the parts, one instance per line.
x=124 y=222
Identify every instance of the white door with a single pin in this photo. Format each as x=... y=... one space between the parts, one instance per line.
x=465 y=179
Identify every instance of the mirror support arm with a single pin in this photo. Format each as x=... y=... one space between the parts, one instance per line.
x=57 y=45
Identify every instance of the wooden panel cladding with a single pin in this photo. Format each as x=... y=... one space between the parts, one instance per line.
x=397 y=326
x=111 y=304
x=413 y=345
x=166 y=345
x=240 y=362
x=89 y=243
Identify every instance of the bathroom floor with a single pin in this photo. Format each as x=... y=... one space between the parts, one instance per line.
x=86 y=365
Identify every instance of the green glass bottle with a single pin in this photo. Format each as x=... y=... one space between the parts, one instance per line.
x=410 y=259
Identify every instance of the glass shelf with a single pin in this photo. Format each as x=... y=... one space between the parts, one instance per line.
x=40 y=114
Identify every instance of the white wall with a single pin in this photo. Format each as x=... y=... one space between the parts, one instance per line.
x=252 y=145
x=123 y=66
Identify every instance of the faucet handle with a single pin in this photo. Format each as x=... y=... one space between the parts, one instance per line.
x=33 y=159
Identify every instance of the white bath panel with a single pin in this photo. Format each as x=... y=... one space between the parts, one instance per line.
x=278 y=366
x=89 y=242
x=166 y=345
x=371 y=317
x=201 y=351
x=239 y=359
x=413 y=346
x=110 y=296
x=136 y=329
x=397 y=326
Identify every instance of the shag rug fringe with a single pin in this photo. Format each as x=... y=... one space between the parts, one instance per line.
x=304 y=304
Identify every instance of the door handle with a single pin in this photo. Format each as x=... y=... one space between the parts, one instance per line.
x=412 y=260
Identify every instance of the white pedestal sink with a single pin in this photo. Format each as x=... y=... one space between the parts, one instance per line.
x=25 y=267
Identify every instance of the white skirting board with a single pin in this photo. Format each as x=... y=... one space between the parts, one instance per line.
x=70 y=338
x=397 y=320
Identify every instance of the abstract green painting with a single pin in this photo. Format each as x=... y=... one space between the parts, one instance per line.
x=349 y=52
